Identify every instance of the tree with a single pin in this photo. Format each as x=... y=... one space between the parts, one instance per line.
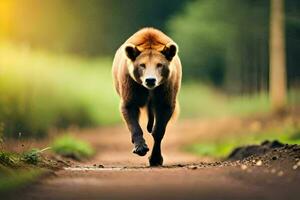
x=224 y=43
x=278 y=84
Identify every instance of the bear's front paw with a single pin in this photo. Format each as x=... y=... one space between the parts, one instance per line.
x=156 y=161
x=140 y=149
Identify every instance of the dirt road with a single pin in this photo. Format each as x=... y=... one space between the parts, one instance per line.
x=116 y=173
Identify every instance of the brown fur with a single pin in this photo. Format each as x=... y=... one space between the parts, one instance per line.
x=145 y=46
x=149 y=38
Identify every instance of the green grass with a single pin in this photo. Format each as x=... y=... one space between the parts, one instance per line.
x=40 y=90
x=221 y=147
x=20 y=169
x=71 y=147
x=201 y=101
x=15 y=160
x=11 y=179
x=33 y=156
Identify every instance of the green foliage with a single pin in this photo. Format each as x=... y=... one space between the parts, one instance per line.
x=94 y=27
x=199 y=100
x=212 y=36
x=8 y=159
x=221 y=147
x=10 y=179
x=221 y=42
x=19 y=169
x=71 y=147
x=40 y=91
x=33 y=156
x=227 y=43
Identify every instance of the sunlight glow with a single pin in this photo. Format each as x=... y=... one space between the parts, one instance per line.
x=6 y=16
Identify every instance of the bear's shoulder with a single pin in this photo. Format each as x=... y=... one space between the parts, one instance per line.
x=149 y=38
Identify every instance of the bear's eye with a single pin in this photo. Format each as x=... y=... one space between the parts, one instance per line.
x=143 y=66
x=159 y=65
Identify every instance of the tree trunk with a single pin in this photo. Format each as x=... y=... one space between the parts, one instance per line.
x=277 y=57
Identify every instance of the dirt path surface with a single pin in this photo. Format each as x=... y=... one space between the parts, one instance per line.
x=116 y=173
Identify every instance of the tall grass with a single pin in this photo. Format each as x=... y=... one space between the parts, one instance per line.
x=199 y=100
x=40 y=90
x=71 y=147
x=221 y=147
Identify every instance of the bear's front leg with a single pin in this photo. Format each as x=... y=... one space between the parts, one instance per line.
x=162 y=116
x=131 y=115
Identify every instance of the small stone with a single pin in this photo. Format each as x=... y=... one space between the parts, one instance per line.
x=100 y=166
x=273 y=171
x=280 y=173
x=295 y=166
x=259 y=163
x=274 y=158
x=243 y=167
x=94 y=165
x=193 y=167
x=296 y=149
x=298 y=163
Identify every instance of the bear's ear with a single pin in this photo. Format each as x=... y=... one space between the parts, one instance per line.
x=131 y=52
x=170 y=51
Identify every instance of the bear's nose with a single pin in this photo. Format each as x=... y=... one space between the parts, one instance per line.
x=150 y=82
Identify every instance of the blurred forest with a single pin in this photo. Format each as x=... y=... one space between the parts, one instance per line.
x=227 y=42
x=93 y=27
x=60 y=44
x=223 y=42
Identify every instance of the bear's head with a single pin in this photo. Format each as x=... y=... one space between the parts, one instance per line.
x=150 y=67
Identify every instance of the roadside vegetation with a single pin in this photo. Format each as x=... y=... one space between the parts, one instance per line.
x=10 y=179
x=20 y=169
x=221 y=147
x=41 y=91
x=71 y=147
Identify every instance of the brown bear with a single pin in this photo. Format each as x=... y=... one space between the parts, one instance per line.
x=147 y=74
